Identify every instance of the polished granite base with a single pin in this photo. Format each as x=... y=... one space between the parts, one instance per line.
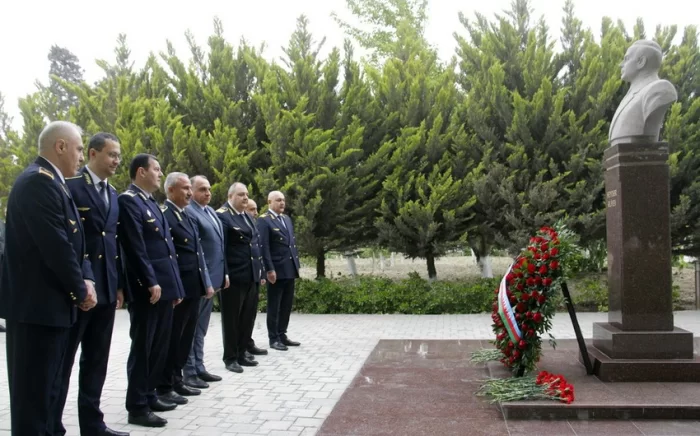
x=427 y=387
x=624 y=344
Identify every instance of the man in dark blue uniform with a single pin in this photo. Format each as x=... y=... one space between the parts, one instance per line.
x=96 y=202
x=45 y=276
x=153 y=287
x=244 y=262
x=195 y=280
x=279 y=248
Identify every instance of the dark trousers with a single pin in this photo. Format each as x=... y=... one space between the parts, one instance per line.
x=150 y=338
x=238 y=305
x=35 y=356
x=195 y=361
x=185 y=317
x=93 y=332
x=280 y=297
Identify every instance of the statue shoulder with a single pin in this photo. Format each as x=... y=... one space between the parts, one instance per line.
x=658 y=94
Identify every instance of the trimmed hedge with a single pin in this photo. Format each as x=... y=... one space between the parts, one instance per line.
x=376 y=295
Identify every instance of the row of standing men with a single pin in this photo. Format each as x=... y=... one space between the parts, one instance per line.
x=76 y=251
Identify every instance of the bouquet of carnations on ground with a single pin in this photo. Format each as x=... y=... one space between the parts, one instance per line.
x=545 y=386
x=523 y=307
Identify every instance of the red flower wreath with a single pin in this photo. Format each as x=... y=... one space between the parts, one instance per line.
x=523 y=306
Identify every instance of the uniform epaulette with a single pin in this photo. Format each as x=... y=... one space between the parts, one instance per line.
x=221 y=209
x=265 y=215
x=46 y=172
x=74 y=177
x=88 y=179
x=130 y=193
x=163 y=208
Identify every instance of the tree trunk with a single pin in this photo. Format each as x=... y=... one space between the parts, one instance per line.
x=485 y=266
x=381 y=261
x=352 y=268
x=320 y=264
x=432 y=272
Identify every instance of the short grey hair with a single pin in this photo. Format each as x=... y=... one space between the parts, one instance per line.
x=198 y=176
x=233 y=187
x=172 y=178
x=54 y=131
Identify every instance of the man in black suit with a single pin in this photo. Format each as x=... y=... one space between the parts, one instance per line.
x=211 y=232
x=244 y=262
x=195 y=280
x=45 y=277
x=96 y=201
x=279 y=248
x=153 y=288
x=2 y=252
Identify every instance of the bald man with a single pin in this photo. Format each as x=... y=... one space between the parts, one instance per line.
x=46 y=277
x=281 y=261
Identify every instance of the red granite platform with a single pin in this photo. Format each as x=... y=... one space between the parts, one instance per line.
x=426 y=387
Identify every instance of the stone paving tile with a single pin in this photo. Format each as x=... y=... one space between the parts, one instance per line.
x=292 y=392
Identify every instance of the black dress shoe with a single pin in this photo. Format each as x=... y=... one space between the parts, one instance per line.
x=234 y=367
x=185 y=390
x=171 y=397
x=204 y=375
x=278 y=346
x=163 y=405
x=195 y=382
x=109 y=432
x=147 y=420
x=249 y=356
x=255 y=351
x=288 y=342
x=244 y=361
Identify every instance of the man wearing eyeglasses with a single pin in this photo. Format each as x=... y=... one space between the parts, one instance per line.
x=96 y=201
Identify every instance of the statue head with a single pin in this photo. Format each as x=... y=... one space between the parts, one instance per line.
x=642 y=59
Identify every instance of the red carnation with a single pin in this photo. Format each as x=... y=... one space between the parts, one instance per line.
x=516 y=354
x=541 y=299
x=521 y=307
x=544 y=247
x=538 y=280
x=545 y=256
x=554 y=251
x=519 y=287
x=543 y=270
x=547 y=281
x=531 y=281
x=510 y=344
x=513 y=300
x=522 y=345
x=531 y=268
x=537 y=317
x=525 y=296
x=553 y=265
x=510 y=277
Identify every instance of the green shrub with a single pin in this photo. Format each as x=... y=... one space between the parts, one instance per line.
x=376 y=295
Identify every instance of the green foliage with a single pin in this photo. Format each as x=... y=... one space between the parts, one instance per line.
x=405 y=153
x=413 y=295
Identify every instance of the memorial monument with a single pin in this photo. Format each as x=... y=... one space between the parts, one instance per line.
x=640 y=342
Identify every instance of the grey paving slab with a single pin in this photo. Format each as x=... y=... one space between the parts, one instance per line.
x=292 y=392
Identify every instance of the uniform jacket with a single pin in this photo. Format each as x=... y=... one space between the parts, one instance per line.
x=243 y=256
x=279 y=246
x=46 y=265
x=149 y=254
x=102 y=243
x=190 y=257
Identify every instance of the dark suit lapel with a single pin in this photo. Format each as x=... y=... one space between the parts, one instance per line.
x=97 y=202
x=182 y=220
x=154 y=211
x=43 y=163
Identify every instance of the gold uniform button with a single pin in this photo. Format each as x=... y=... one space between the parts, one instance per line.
x=156 y=229
x=116 y=257
x=99 y=257
x=171 y=256
x=104 y=234
x=185 y=239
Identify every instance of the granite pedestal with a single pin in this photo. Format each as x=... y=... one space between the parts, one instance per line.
x=639 y=335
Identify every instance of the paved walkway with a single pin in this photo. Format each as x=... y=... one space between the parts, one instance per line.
x=289 y=393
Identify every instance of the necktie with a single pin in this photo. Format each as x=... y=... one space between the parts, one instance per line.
x=213 y=218
x=103 y=193
x=245 y=218
x=283 y=223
